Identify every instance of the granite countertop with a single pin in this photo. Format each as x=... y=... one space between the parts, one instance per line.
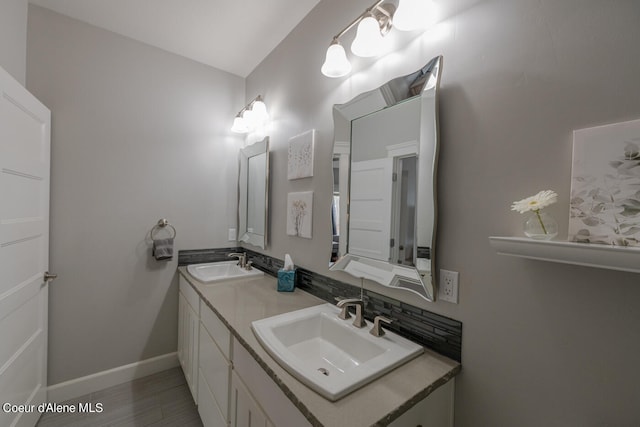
x=239 y=302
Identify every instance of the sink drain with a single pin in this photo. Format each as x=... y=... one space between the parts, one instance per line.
x=323 y=372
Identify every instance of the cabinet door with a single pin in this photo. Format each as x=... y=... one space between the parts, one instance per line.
x=192 y=349
x=207 y=408
x=188 y=331
x=215 y=371
x=181 y=329
x=245 y=412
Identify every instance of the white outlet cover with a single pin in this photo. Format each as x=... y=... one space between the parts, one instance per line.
x=232 y=234
x=448 y=286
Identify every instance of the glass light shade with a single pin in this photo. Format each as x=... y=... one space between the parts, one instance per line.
x=414 y=14
x=260 y=115
x=249 y=119
x=239 y=126
x=368 y=41
x=336 y=63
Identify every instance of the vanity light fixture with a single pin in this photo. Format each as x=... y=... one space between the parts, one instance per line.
x=369 y=39
x=414 y=14
x=253 y=116
x=336 y=63
x=373 y=24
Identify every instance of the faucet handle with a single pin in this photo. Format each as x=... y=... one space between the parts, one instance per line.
x=377 y=330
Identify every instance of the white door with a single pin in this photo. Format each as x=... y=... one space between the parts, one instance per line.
x=24 y=251
x=370 y=208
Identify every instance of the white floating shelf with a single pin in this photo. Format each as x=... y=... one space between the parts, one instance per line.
x=587 y=254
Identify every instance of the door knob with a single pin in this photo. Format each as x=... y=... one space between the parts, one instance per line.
x=49 y=277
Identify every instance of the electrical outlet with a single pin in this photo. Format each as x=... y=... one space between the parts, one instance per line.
x=448 y=286
x=232 y=234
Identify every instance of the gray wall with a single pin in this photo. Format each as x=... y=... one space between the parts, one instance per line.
x=13 y=38
x=543 y=344
x=138 y=134
x=373 y=133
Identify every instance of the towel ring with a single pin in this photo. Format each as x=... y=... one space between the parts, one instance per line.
x=162 y=224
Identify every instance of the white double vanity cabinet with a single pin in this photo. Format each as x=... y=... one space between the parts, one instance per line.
x=236 y=383
x=219 y=370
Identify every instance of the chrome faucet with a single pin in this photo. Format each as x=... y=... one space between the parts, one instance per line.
x=242 y=259
x=377 y=330
x=359 y=321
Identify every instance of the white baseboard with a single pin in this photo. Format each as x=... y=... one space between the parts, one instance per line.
x=101 y=380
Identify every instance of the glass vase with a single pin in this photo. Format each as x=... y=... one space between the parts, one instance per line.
x=540 y=226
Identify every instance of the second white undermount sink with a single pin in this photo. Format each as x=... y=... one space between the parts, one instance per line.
x=329 y=354
x=218 y=271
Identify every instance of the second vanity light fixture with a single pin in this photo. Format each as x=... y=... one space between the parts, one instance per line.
x=252 y=117
x=373 y=24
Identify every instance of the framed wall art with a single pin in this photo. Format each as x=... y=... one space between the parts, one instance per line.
x=301 y=147
x=605 y=185
x=300 y=214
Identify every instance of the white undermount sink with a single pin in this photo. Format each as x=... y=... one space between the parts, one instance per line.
x=218 y=271
x=329 y=354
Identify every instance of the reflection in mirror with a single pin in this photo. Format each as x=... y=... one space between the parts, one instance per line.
x=256 y=187
x=384 y=169
x=253 y=192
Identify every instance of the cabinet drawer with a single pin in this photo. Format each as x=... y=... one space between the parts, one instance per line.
x=216 y=371
x=190 y=294
x=218 y=331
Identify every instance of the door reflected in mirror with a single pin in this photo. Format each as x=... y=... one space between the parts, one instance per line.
x=384 y=164
x=253 y=193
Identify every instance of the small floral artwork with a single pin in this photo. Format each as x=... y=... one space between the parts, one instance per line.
x=605 y=185
x=300 y=214
x=300 y=163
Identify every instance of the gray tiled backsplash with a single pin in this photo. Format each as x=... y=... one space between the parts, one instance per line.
x=432 y=330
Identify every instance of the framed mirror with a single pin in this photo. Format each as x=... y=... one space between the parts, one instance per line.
x=384 y=195
x=253 y=193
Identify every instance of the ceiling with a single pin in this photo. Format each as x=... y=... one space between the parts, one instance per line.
x=232 y=35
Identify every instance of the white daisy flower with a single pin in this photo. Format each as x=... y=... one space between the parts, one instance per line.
x=535 y=203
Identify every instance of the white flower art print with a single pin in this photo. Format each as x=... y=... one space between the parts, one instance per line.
x=300 y=214
x=605 y=185
x=300 y=163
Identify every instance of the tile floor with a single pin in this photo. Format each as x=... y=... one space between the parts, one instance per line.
x=159 y=400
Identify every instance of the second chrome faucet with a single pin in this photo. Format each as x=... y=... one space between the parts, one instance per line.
x=242 y=260
x=359 y=321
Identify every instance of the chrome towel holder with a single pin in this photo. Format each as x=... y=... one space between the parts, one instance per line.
x=162 y=224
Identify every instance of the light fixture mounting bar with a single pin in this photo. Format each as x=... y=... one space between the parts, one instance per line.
x=248 y=106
